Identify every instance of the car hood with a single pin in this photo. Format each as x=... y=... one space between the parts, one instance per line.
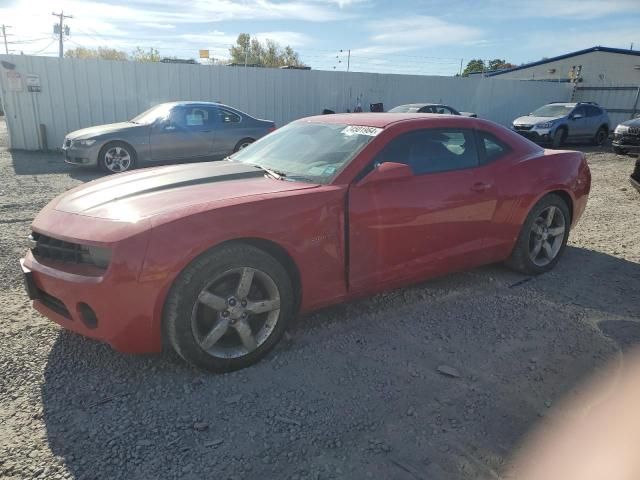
x=635 y=122
x=101 y=130
x=531 y=120
x=144 y=193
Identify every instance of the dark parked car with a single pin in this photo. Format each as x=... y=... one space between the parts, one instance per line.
x=626 y=137
x=169 y=132
x=430 y=108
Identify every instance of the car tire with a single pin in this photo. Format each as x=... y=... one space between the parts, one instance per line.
x=117 y=157
x=601 y=136
x=559 y=137
x=618 y=151
x=245 y=142
x=217 y=332
x=530 y=254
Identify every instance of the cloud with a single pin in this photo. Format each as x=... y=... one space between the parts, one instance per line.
x=158 y=26
x=573 y=9
x=294 y=39
x=418 y=31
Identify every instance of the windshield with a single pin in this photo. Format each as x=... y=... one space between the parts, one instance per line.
x=308 y=151
x=405 y=109
x=552 y=111
x=153 y=114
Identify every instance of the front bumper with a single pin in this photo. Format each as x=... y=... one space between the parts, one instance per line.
x=536 y=135
x=77 y=155
x=626 y=142
x=114 y=305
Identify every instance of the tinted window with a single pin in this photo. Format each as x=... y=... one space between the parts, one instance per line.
x=593 y=111
x=580 y=111
x=227 y=116
x=433 y=150
x=493 y=148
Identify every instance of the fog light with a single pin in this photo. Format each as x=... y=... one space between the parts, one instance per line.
x=87 y=315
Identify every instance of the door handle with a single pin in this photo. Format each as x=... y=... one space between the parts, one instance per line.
x=481 y=187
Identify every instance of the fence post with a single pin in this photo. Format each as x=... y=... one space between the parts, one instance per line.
x=635 y=104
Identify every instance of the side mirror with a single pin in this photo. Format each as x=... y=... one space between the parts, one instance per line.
x=388 y=171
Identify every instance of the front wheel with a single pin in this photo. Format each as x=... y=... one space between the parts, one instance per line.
x=543 y=237
x=116 y=157
x=600 y=136
x=559 y=137
x=229 y=308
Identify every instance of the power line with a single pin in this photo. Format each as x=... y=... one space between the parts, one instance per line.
x=45 y=48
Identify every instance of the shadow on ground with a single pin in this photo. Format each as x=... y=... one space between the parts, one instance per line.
x=355 y=393
x=49 y=163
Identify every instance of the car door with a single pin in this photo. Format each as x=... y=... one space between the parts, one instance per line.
x=432 y=222
x=231 y=127
x=579 y=122
x=187 y=133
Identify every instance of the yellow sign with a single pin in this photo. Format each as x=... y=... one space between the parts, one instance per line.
x=204 y=53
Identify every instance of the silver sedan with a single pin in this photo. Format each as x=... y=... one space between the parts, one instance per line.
x=169 y=132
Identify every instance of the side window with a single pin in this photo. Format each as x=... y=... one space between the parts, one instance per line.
x=227 y=116
x=427 y=109
x=432 y=150
x=491 y=147
x=580 y=111
x=447 y=111
x=593 y=111
x=189 y=118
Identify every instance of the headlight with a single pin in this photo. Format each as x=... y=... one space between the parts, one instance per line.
x=544 y=125
x=84 y=143
x=622 y=129
x=99 y=256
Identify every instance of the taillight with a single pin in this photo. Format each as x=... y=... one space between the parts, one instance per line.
x=271 y=129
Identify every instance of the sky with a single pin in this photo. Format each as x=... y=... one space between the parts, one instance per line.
x=427 y=37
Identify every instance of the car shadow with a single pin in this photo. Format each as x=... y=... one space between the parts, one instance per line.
x=26 y=162
x=356 y=387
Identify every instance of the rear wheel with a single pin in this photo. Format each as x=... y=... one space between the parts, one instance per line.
x=116 y=157
x=600 y=136
x=543 y=237
x=244 y=143
x=559 y=137
x=229 y=308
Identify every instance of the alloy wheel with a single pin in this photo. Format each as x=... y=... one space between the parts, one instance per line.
x=117 y=159
x=547 y=236
x=236 y=313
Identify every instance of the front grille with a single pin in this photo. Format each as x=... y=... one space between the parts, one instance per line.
x=54 y=249
x=634 y=131
x=53 y=303
x=626 y=139
x=523 y=127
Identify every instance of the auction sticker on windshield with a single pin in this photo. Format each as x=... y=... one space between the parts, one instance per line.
x=361 y=130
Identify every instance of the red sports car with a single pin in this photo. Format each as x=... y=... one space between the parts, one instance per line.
x=215 y=259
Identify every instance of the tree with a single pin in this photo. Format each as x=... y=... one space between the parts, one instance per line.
x=474 y=66
x=268 y=54
x=498 y=64
x=103 y=53
x=142 y=55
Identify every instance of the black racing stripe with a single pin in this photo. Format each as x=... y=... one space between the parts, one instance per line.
x=186 y=183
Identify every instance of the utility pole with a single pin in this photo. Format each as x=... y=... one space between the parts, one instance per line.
x=61 y=31
x=4 y=35
x=461 y=60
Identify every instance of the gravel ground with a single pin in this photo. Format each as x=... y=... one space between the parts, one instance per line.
x=355 y=392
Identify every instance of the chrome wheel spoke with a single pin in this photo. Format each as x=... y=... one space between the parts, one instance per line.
x=246 y=279
x=263 y=306
x=548 y=250
x=246 y=335
x=213 y=301
x=215 y=334
x=556 y=231
x=550 y=214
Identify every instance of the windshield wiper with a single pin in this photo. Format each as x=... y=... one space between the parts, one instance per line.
x=272 y=173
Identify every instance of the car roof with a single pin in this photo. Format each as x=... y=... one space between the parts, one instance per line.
x=193 y=102
x=419 y=104
x=381 y=120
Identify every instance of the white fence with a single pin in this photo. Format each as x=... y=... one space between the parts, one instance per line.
x=55 y=96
